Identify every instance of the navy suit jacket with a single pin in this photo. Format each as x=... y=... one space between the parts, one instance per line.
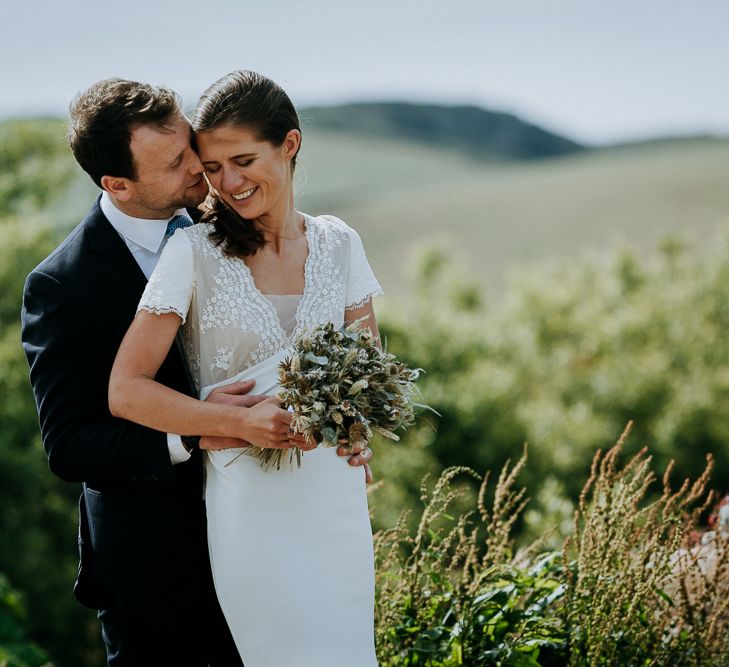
x=142 y=523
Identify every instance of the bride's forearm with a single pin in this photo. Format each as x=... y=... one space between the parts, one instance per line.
x=147 y=402
x=135 y=395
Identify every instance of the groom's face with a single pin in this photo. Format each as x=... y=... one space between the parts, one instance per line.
x=169 y=174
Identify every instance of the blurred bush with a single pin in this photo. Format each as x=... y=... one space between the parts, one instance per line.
x=35 y=165
x=16 y=650
x=574 y=351
x=38 y=522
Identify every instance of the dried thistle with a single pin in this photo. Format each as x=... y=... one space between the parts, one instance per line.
x=341 y=387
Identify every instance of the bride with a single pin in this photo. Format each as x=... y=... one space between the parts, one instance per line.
x=291 y=550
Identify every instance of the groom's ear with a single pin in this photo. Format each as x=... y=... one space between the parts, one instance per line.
x=117 y=187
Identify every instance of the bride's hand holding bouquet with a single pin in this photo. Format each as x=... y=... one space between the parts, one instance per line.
x=339 y=387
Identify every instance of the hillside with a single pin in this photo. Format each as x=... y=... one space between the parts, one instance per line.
x=404 y=193
x=478 y=133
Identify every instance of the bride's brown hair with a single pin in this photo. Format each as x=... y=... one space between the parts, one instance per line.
x=245 y=99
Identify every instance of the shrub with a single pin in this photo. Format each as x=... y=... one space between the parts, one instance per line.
x=15 y=648
x=451 y=592
x=627 y=589
x=570 y=352
x=635 y=594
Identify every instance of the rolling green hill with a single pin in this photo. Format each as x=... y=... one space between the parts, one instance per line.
x=479 y=133
x=495 y=217
x=402 y=193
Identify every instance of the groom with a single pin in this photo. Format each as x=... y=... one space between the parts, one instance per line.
x=142 y=539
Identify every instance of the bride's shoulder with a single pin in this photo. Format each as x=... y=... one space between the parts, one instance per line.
x=199 y=236
x=330 y=224
x=199 y=231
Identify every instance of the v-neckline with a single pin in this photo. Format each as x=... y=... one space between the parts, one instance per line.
x=308 y=232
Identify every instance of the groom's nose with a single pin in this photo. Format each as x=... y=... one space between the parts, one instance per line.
x=195 y=166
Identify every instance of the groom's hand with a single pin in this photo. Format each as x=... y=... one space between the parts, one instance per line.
x=358 y=457
x=236 y=393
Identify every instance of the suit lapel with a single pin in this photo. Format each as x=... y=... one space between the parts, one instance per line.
x=195 y=214
x=123 y=276
x=122 y=279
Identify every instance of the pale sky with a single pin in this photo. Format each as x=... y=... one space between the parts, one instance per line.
x=595 y=70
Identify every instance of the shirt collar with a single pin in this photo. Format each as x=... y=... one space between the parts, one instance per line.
x=149 y=234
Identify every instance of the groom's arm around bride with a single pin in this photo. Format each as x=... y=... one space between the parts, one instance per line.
x=144 y=562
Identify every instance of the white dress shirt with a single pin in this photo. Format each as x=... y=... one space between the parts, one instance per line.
x=145 y=240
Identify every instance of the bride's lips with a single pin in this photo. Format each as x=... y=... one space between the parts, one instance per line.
x=242 y=197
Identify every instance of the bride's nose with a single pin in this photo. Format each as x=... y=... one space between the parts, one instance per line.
x=232 y=181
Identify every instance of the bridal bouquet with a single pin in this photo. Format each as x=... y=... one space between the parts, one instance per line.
x=341 y=386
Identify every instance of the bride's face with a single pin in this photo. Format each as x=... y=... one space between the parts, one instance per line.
x=253 y=177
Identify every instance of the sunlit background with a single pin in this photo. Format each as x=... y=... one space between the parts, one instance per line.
x=541 y=188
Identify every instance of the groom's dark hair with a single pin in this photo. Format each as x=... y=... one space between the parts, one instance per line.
x=103 y=117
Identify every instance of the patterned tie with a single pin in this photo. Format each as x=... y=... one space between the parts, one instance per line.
x=178 y=222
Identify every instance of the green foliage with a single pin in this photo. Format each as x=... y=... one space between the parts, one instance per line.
x=38 y=521
x=573 y=352
x=16 y=650
x=450 y=592
x=628 y=588
x=35 y=166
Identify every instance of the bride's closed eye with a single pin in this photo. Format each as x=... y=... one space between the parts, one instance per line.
x=211 y=169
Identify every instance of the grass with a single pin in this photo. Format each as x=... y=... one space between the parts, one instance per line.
x=628 y=587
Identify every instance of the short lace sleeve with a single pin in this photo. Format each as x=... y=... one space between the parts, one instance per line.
x=361 y=282
x=169 y=289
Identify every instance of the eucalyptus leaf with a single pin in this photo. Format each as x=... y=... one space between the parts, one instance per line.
x=316 y=359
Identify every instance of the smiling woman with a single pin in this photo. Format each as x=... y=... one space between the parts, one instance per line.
x=248 y=281
x=248 y=136
x=249 y=176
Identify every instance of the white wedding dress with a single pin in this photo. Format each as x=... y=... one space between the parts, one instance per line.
x=291 y=550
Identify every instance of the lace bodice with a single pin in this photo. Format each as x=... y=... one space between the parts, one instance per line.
x=228 y=324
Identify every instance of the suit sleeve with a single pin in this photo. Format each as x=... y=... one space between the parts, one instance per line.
x=83 y=441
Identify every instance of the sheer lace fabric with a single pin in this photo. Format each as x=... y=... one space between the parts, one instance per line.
x=228 y=324
x=282 y=542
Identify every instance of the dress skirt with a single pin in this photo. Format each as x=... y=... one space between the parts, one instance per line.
x=291 y=553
